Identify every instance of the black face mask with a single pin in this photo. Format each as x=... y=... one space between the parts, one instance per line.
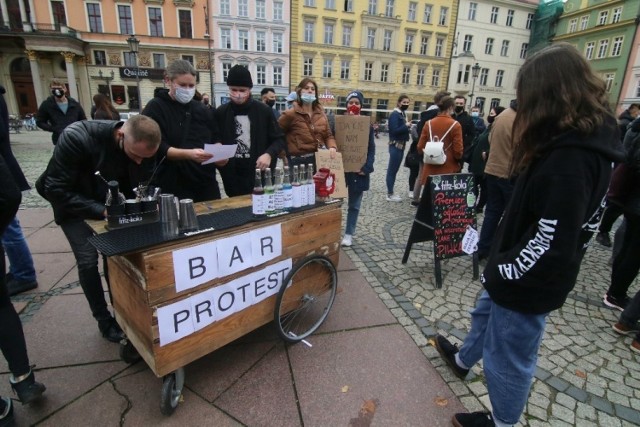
x=404 y=107
x=58 y=93
x=205 y=101
x=459 y=109
x=271 y=103
x=490 y=119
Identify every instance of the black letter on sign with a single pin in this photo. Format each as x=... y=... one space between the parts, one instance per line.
x=266 y=242
x=235 y=255
x=199 y=266
x=176 y=321
x=206 y=308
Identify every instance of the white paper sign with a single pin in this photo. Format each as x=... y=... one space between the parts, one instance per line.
x=234 y=254
x=470 y=240
x=195 y=265
x=175 y=321
x=220 y=152
x=266 y=243
x=202 y=307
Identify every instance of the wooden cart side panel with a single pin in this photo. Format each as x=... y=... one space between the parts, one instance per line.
x=177 y=354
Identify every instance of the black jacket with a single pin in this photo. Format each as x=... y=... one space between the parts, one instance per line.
x=624 y=120
x=70 y=183
x=5 y=145
x=552 y=214
x=631 y=203
x=10 y=198
x=468 y=129
x=51 y=118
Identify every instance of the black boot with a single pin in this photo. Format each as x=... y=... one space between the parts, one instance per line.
x=28 y=389
x=110 y=330
x=6 y=412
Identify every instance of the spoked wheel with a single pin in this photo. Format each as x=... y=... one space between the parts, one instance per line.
x=171 y=391
x=305 y=298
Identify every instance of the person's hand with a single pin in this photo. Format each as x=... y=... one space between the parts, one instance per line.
x=361 y=173
x=263 y=161
x=198 y=155
x=332 y=152
x=484 y=156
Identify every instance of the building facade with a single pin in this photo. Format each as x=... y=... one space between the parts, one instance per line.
x=492 y=41
x=630 y=92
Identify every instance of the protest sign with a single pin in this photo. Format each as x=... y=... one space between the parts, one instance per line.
x=324 y=160
x=352 y=137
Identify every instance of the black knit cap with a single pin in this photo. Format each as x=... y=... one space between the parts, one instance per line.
x=239 y=75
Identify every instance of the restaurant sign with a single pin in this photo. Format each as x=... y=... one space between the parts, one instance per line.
x=145 y=73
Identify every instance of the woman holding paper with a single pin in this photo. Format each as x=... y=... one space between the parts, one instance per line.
x=357 y=182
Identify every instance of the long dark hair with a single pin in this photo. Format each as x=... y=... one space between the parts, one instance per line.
x=102 y=102
x=557 y=92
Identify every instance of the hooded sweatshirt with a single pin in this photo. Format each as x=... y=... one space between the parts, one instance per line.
x=553 y=212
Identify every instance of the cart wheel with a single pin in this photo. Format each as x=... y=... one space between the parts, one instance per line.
x=171 y=391
x=301 y=308
x=128 y=352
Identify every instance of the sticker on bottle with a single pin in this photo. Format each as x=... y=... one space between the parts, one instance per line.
x=470 y=240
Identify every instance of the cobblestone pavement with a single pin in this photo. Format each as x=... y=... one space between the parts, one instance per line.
x=586 y=376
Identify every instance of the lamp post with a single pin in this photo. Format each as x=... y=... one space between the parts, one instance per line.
x=106 y=79
x=475 y=71
x=134 y=45
x=212 y=97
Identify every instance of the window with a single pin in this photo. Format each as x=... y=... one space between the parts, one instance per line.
x=608 y=81
x=348 y=5
x=226 y=67
x=466 y=45
x=184 y=16
x=261 y=41
x=94 y=17
x=99 y=57
x=368 y=70
x=384 y=73
x=277 y=76
x=158 y=60
x=473 y=9
x=308 y=32
x=584 y=22
x=413 y=7
x=225 y=9
x=383 y=104
x=346 y=35
x=510 y=13
x=243 y=39
x=188 y=58
x=529 y=21
x=588 y=50
x=603 y=45
x=261 y=9
x=388 y=10
x=129 y=59
x=328 y=33
x=124 y=19
x=444 y=11
x=155 y=21
x=439 y=47
x=616 y=47
x=488 y=46
x=225 y=38
x=330 y=4
x=479 y=102
x=371 y=38
x=494 y=15
x=424 y=45
x=307 y=67
x=406 y=75
x=243 y=8
x=386 y=41
x=484 y=76
x=408 y=43
x=277 y=42
x=617 y=13
x=573 y=25
x=499 y=78
x=435 y=78
x=261 y=74
x=523 y=50
x=495 y=102
x=327 y=66
x=461 y=73
x=504 y=51
x=426 y=18
x=310 y=3
x=420 y=76
x=638 y=89
x=602 y=17
x=278 y=9
x=373 y=7
x=345 y=65
x=60 y=16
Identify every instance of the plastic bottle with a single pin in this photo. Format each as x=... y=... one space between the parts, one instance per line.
x=269 y=192
x=296 y=188
x=279 y=190
x=287 y=190
x=257 y=197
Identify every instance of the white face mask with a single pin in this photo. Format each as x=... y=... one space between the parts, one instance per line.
x=239 y=97
x=184 y=95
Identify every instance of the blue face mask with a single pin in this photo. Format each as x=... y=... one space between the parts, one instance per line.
x=475 y=114
x=307 y=98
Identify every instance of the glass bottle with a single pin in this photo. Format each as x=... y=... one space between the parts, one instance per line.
x=257 y=197
x=279 y=190
x=311 y=185
x=297 y=188
x=287 y=190
x=303 y=186
x=269 y=192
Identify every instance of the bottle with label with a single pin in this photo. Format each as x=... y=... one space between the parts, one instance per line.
x=269 y=192
x=257 y=197
x=311 y=185
x=287 y=190
x=296 y=188
x=114 y=196
x=304 y=200
x=279 y=190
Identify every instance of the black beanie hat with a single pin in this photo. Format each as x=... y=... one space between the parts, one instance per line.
x=239 y=75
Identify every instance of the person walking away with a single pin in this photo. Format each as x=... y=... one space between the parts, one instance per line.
x=58 y=111
x=563 y=113
x=104 y=109
x=468 y=126
x=357 y=182
x=398 y=138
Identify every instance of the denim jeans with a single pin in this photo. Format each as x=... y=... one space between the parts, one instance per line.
x=355 y=200
x=498 y=194
x=395 y=160
x=78 y=233
x=508 y=342
x=15 y=246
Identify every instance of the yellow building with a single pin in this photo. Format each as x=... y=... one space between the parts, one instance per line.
x=383 y=47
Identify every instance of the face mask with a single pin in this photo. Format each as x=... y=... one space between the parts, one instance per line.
x=184 y=95
x=205 y=101
x=490 y=119
x=459 y=109
x=307 y=98
x=475 y=114
x=404 y=107
x=354 y=109
x=239 y=98
x=58 y=93
x=271 y=102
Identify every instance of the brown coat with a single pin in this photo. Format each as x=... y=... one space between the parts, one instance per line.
x=297 y=125
x=453 y=146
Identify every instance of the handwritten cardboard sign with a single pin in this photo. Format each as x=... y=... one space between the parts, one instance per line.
x=324 y=160
x=352 y=137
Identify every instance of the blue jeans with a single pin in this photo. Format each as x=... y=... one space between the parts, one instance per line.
x=355 y=200
x=498 y=195
x=508 y=342
x=15 y=246
x=395 y=160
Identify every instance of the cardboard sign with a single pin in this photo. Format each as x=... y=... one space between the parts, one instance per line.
x=324 y=160
x=352 y=137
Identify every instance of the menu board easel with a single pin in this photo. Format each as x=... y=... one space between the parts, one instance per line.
x=445 y=211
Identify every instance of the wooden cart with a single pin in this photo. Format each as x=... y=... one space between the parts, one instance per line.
x=142 y=282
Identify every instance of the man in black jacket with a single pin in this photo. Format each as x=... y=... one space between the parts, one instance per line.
x=58 y=111
x=119 y=152
x=468 y=127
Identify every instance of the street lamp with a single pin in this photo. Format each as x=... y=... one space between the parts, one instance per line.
x=475 y=71
x=134 y=45
x=212 y=97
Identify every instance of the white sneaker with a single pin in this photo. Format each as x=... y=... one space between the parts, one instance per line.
x=346 y=240
x=394 y=198
x=411 y=194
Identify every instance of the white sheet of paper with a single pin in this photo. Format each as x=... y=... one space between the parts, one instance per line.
x=220 y=152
